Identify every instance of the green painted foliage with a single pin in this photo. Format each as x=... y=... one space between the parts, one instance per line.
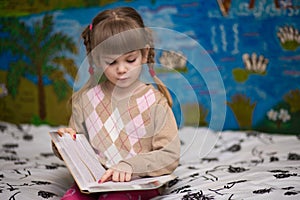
x=290 y=45
x=242 y=109
x=39 y=52
x=10 y=8
x=293 y=99
x=240 y=75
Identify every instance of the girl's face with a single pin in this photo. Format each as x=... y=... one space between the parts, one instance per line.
x=124 y=70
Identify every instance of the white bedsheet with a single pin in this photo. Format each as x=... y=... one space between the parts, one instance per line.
x=226 y=165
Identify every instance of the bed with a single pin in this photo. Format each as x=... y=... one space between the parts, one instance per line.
x=239 y=165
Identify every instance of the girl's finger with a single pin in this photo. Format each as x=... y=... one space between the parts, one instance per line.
x=116 y=176
x=72 y=132
x=122 y=176
x=128 y=177
x=60 y=131
x=106 y=176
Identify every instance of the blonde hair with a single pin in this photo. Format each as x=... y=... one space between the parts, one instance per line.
x=110 y=23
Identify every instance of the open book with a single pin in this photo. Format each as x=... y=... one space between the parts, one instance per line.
x=86 y=169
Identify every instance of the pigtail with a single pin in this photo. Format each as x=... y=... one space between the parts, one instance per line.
x=150 y=60
x=87 y=41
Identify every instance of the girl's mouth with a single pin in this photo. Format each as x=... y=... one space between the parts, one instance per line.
x=122 y=78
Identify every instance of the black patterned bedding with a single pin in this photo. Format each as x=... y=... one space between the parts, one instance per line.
x=241 y=165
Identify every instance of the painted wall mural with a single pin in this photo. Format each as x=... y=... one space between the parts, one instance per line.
x=255 y=46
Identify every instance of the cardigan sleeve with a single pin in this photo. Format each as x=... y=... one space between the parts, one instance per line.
x=164 y=157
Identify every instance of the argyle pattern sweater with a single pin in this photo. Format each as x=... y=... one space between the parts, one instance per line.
x=140 y=130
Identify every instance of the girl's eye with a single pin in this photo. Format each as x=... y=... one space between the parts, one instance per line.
x=131 y=60
x=111 y=63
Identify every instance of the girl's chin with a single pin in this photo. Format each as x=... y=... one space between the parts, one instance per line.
x=128 y=84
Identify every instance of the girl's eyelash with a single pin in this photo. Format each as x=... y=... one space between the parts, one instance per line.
x=111 y=63
x=131 y=61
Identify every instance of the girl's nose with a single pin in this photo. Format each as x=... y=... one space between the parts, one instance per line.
x=121 y=69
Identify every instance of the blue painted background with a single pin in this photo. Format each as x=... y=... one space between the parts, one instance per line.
x=224 y=38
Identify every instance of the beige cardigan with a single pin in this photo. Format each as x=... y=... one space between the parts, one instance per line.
x=140 y=130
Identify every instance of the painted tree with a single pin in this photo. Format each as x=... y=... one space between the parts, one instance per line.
x=224 y=6
x=242 y=109
x=38 y=52
x=252 y=2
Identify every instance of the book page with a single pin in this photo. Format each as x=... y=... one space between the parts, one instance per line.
x=89 y=157
x=70 y=147
x=79 y=157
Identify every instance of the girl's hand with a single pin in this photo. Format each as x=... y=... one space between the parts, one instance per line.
x=69 y=131
x=121 y=172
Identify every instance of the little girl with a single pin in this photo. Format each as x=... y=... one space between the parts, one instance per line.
x=130 y=124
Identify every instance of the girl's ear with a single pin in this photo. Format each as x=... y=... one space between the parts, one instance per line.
x=145 y=52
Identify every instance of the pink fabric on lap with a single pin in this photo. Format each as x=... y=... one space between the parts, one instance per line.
x=130 y=195
x=74 y=194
